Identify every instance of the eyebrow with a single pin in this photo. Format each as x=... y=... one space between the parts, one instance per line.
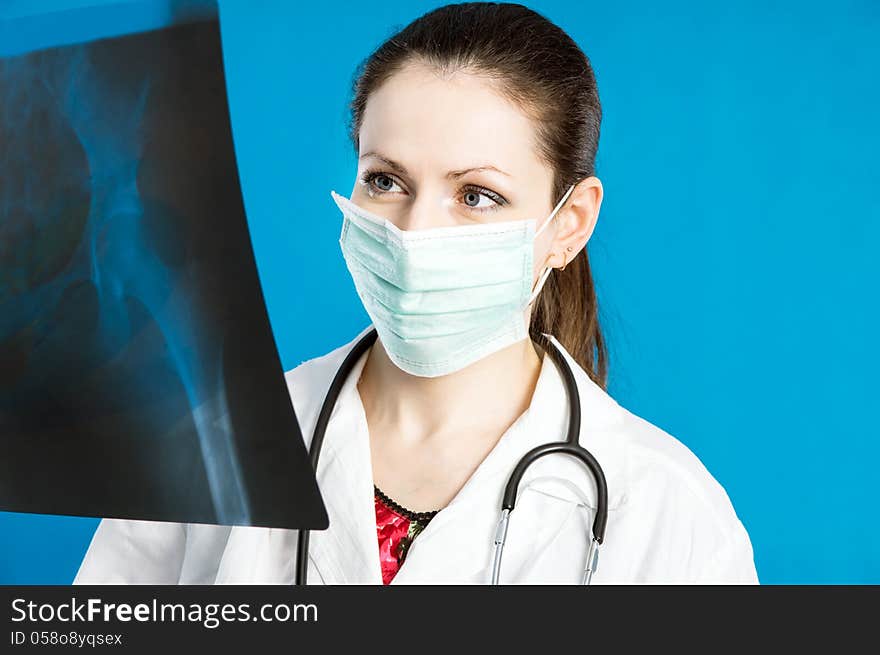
x=401 y=169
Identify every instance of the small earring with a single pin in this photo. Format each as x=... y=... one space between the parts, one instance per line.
x=565 y=258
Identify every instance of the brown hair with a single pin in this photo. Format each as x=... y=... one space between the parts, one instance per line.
x=540 y=68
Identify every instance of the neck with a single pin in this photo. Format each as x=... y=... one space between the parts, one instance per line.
x=487 y=395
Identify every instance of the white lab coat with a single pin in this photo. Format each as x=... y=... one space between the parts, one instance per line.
x=669 y=521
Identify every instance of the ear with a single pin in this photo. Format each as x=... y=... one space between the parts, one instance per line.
x=576 y=221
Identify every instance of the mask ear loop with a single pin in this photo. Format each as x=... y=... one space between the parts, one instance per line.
x=547 y=271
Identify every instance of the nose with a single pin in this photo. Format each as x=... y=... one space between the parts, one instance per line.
x=413 y=215
x=425 y=210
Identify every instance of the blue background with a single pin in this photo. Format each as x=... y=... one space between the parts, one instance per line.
x=735 y=252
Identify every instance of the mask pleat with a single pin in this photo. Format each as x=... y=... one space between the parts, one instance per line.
x=440 y=266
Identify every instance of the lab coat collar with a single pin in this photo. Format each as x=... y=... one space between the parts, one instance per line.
x=456 y=545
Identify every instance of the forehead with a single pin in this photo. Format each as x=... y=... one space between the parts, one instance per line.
x=434 y=122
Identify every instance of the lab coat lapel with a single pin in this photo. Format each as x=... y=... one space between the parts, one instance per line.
x=347 y=552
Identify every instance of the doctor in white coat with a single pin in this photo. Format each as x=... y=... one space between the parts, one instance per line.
x=466 y=231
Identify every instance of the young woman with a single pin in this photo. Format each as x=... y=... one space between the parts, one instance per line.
x=476 y=129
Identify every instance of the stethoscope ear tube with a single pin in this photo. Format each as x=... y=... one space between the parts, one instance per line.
x=500 y=538
x=509 y=503
x=580 y=453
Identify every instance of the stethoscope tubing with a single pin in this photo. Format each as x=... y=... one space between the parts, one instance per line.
x=570 y=446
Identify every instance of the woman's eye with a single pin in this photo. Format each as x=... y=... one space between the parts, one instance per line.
x=380 y=183
x=384 y=182
x=481 y=199
x=473 y=200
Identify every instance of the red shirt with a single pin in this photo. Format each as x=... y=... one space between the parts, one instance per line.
x=396 y=528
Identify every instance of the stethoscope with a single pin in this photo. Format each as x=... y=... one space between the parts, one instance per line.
x=568 y=447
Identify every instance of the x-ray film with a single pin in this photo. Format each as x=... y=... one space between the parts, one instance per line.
x=139 y=377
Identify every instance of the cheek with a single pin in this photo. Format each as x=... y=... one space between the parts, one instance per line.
x=542 y=255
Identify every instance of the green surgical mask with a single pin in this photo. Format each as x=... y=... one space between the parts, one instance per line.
x=442 y=298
